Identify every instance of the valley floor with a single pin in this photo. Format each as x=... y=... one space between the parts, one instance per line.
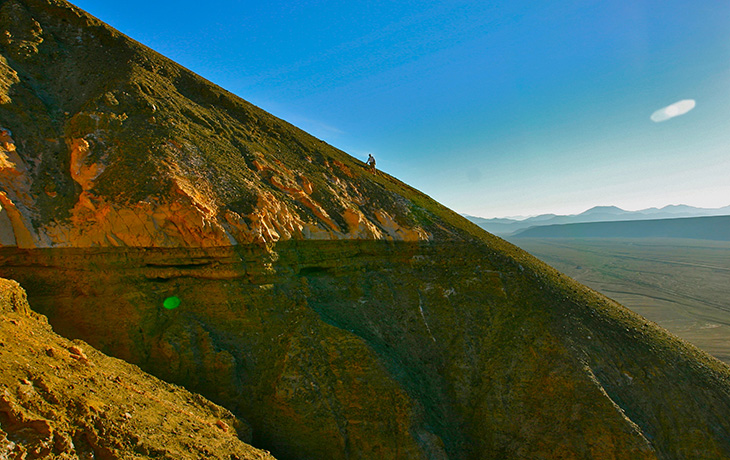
x=681 y=284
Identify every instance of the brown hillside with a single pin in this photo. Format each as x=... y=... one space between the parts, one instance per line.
x=105 y=143
x=343 y=314
x=63 y=399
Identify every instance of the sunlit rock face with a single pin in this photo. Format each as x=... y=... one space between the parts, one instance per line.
x=340 y=312
x=105 y=143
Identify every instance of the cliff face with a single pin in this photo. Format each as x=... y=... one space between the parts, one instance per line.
x=340 y=312
x=392 y=350
x=63 y=399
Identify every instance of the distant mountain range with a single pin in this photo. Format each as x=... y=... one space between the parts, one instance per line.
x=703 y=228
x=504 y=226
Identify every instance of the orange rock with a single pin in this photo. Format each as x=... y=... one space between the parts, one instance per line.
x=77 y=353
x=307 y=185
x=15 y=199
x=222 y=425
x=81 y=172
x=10 y=162
x=343 y=168
x=21 y=233
x=398 y=232
x=352 y=218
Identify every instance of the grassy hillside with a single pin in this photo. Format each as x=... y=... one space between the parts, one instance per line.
x=108 y=143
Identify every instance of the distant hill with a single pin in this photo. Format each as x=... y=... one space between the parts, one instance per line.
x=503 y=226
x=703 y=228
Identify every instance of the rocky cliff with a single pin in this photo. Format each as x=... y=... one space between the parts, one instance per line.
x=341 y=313
x=368 y=349
x=63 y=399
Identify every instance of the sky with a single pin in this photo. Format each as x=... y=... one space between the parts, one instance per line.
x=495 y=109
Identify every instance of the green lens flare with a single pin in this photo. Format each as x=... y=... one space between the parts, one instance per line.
x=171 y=303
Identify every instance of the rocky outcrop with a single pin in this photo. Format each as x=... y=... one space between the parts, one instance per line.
x=15 y=226
x=63 y=399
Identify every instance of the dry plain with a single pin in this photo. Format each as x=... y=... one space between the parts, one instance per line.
x=681 y=284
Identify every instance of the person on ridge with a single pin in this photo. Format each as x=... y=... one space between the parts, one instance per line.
x=371 y=162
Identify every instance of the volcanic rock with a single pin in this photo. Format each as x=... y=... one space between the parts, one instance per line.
x=342 y=313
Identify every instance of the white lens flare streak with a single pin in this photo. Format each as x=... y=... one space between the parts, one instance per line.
x=673 y=110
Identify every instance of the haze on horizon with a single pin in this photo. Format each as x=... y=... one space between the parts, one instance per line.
x=516 y=108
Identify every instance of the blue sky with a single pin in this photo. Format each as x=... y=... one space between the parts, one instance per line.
x=497 y=108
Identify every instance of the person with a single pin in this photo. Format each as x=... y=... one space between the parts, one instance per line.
x=371 y=162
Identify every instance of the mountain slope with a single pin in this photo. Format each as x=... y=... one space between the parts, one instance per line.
x=342 y=313
x=63 y=399
x=160 y=157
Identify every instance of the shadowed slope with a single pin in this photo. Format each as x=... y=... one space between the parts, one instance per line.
x=393 y=350
x=343 y=314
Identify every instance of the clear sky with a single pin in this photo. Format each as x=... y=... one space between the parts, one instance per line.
x=497 y=108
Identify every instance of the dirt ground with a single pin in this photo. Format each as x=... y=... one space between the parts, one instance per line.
x=63 y=399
